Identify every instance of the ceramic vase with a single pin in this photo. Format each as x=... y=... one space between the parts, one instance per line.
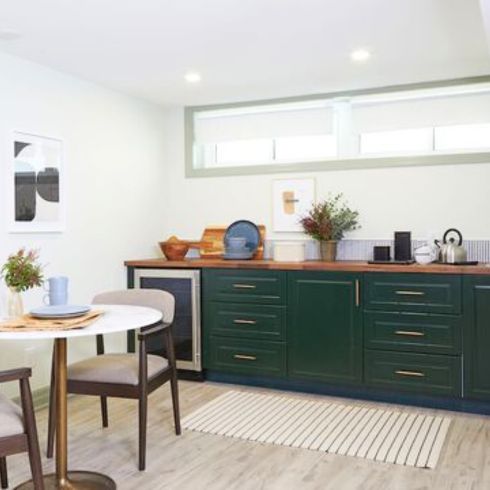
x=328 y=250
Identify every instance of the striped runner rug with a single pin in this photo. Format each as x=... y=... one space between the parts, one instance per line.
x=379 y=434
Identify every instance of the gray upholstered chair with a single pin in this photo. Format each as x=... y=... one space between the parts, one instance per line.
x=127 y=375
x=18 y=432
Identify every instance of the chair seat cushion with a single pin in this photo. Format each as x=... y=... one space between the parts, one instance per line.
x=11 y=421
x=114 y=368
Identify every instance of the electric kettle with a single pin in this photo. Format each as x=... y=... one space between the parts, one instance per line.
x=450 y=252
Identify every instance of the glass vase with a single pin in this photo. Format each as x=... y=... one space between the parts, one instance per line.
x=15 y=307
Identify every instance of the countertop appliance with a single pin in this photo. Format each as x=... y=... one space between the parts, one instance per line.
x=450 y=251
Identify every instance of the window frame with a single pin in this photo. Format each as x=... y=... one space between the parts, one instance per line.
x=450 y=158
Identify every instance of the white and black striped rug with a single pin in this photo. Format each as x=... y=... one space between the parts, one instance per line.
x=391 y=436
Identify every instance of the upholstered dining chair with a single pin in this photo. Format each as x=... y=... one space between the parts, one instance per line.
x=127 y=375
x=18 y=432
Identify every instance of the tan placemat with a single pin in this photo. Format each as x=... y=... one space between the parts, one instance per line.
x=27 y=323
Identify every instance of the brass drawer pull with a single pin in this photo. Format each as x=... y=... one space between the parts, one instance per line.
x=244 y=322
x=410 y=333
x=358 y=293
x=410 y=293
x=244 y=286
x=413 y=374
x=244 y=357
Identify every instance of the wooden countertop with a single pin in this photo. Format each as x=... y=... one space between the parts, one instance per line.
x=310 y=265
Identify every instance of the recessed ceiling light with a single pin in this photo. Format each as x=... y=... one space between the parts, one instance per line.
x=192 y=77
x=360 y=55
x=8 y=34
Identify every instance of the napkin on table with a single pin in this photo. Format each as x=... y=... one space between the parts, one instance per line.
x=27 y=323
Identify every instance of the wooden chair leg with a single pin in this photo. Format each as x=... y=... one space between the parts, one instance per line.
x=31 y=431
x=3 y=473
x=104 y=411
x=52 y=411
x=143 y=415
x=175 y=402
x=169 y=340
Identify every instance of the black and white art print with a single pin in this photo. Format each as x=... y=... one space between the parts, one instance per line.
x=37 y=194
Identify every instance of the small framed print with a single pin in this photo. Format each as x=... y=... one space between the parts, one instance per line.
x=291 y=200
x=36 y=190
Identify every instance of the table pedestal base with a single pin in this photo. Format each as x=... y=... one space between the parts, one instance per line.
x=77 y=480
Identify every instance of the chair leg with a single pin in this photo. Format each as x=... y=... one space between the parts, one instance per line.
x=169 y=341
x=31 y=431
x=143 y=415
x=175 y=402
x=3 y=473
x=52 y=411
x=105 y=414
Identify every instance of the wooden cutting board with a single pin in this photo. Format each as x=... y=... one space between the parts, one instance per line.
x=214 y=247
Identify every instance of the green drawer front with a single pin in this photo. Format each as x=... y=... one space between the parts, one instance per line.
x=247 y=321
x=248 y=356
x=423 y=373
x=413 y=292
x=251 y=286
x=413 y=332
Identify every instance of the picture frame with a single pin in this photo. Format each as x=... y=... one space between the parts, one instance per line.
x=35 y=185
x=291 y=199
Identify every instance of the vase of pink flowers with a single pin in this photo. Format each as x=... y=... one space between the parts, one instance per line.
x=21 y=272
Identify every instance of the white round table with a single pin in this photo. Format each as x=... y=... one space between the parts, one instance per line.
x=116 y=318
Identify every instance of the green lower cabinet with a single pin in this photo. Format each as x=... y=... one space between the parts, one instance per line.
x=247 y=321
x=420 y=373
x=243 y=356
x=424 y=293
x=476 y=337
x=324 y=327
x=413 y=332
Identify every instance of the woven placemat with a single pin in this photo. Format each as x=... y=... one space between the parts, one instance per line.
x=27 y=323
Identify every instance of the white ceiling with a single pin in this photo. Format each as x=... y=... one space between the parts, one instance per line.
x=248 y=49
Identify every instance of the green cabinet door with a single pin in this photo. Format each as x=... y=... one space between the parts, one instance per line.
x=324 y=326
x=476 y=337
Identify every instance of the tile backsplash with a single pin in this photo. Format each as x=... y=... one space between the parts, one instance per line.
x=363 y=249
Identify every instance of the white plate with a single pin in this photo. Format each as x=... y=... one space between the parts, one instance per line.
x=61 y=311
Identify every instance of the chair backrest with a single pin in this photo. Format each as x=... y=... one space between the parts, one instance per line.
x=151 y=298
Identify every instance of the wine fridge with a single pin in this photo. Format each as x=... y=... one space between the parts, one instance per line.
x=184 y=285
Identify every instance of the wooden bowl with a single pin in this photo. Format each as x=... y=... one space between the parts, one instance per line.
x=174 y=250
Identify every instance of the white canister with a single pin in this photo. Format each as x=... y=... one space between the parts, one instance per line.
x=289 y=251
x=425 y=254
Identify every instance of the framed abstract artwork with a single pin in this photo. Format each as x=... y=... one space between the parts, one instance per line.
x=36 y=185
x=291 y=199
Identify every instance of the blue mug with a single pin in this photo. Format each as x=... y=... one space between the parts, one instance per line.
x=57 y=291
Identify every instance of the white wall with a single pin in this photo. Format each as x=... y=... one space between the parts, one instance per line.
x=425 y=200
x=115 y=190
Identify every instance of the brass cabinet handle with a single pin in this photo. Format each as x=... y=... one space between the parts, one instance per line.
x=413 y=374
x=244 y=286
x=244 y=322
x=244 y=357
x=410 y=333
x=358 y=293
x=410 y=293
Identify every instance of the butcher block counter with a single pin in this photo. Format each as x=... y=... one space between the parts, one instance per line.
x=310 y=265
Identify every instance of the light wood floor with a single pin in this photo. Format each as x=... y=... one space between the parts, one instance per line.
x=201 y=461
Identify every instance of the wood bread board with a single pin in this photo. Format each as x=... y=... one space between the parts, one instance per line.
x=213 y=246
